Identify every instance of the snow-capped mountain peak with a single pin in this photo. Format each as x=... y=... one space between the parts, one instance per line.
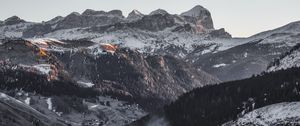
x=159 y=11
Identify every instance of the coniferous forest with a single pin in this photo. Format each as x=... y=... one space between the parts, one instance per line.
x=217 y=104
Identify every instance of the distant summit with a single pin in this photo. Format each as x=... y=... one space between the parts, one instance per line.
x=158 y=11
x=13 y=20
x=197 y=11
x=199 y=15
x=90 y=12
x=135 y=14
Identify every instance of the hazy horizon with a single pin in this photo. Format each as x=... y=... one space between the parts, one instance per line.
x=239 y=17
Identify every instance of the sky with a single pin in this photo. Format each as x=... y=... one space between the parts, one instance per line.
x=241 y=18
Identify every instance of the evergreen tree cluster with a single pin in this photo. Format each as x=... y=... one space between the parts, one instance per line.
x=13 y=78
x=217 y=104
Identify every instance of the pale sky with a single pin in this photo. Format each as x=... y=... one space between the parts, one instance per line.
x=241 y=18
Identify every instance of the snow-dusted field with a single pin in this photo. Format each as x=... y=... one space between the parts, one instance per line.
x=281 y=113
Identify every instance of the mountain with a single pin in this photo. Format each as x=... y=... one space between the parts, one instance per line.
x=91 y=18
x=236 y=100
x=101 y=68
x=15 y=28
x=160 y=33
x=84 y=62
x=189 y=36
x=252 y=57
x=166 y=34
x=84 y=70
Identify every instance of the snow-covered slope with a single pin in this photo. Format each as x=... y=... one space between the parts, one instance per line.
x=153 y=42
x=46 y=110
x=16 y=113
x=15 y=30
x=287 y=113
x=288 y=60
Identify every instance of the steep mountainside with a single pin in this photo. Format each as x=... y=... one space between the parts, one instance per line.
x=250 y=58
x=286 y=60
x=118 y=72
x=50 y=91
x=15 y=113
x=217 y=104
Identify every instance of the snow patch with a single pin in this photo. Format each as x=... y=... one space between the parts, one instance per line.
x=27 y=101
x=4 y=96
x=85 y=84
x=43 y=68
x=246 y=54
x=49 y=102
x=219 y=65
x=95 y=50
x=44 y=41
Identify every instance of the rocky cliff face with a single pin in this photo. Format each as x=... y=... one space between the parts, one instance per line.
x=89 y=18
x=199 y=16
x=134 y=15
